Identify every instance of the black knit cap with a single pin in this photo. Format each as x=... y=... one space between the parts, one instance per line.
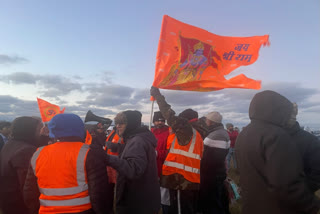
x=133 y=121
x=189 y=114
x=157 y=116
x=24 y=129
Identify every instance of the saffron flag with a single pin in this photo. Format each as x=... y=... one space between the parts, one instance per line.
x=88 y=140
x=48 y=110
x=193 y=59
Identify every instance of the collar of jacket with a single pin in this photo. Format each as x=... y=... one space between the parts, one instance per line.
x=215 y=127
x=134 y=132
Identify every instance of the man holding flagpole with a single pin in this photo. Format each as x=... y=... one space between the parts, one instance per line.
x=181 y=168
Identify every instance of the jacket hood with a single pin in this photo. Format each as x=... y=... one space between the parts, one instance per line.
x=146 y=134
x=133 y=121
x=66 y=125
x=24 y=129
x=269 y=106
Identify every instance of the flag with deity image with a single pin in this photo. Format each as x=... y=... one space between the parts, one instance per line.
x=192 y=59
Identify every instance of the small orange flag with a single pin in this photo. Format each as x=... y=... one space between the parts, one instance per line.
x=193 y=59
x=48 y=110
x=88 y=138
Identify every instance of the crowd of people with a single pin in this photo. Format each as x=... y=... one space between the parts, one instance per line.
x=179 y=166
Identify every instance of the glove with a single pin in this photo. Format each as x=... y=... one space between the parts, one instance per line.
x=154 y=91
x=98 y=150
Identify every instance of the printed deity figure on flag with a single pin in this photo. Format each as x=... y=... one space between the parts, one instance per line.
x=193 y=59
x=196 y=56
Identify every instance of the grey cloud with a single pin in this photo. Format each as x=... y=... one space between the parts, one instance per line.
x=20 y=78
x=107 y=100
x=12 y=107
x=107 y=76
x=52 y=85
x=8 y=60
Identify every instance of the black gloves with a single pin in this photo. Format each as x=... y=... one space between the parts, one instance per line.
x=154 y=91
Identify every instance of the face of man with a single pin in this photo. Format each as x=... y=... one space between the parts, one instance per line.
x=159 y=124
x=208 y=122
x=101 y=128
x=6 y=131
x=230 y=128
x=121 y=127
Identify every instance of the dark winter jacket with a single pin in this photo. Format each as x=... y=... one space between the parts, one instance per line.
x=162 y=135
x=14 y=163
x=183 y=130
x=213 y=197
x=309 y=148
x=216 y=147
x=97 y=183
x=271 y=168
x=137 y=187
x=15 y=159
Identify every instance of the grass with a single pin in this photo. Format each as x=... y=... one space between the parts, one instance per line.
x=235 y=208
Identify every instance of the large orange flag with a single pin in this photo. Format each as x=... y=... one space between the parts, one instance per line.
x=48 y=110
x=193 y=59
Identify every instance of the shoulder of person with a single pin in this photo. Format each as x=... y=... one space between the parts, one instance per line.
x=219 y=134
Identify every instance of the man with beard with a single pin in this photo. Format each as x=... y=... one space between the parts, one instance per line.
x=161 y=132
x=181 y=168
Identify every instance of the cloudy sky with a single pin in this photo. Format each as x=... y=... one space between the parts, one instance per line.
x=100 y=55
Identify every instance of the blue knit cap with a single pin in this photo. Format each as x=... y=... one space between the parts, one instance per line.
x=66 y=125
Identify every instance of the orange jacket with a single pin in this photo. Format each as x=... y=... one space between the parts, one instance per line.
x=61 y=175
x=184 y=160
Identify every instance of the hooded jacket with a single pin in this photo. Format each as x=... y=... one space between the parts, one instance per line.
x=14 y=164
x=309 y=148
x=270 y=166
x=137 y=187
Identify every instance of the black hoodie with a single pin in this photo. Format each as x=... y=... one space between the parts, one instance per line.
x=14 y=163
x=271 y=168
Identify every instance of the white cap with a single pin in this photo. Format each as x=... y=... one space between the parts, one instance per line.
x=214 y=116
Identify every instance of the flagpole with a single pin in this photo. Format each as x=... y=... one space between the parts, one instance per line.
x=151 y=113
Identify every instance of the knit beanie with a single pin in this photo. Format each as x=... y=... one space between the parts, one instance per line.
x=157 y=116
x=133 y=119
x=24 y=129
x=214 y=116
x=66 y=125
x=189 y=114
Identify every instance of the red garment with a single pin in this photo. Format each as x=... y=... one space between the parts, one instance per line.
x=233 y=137
x=161 y=134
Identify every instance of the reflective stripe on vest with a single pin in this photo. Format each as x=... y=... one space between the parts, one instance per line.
x=70 y=202
x=183 y=167
x=188 y=154
x=81 y=179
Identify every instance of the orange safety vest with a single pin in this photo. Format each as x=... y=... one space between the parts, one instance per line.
x=62 y=181
x=116 y=139
x=112 y=173
x=184 y=160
